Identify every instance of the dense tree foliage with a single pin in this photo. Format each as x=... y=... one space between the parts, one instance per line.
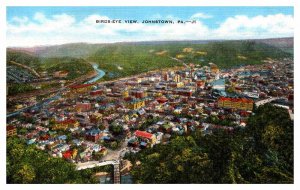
x=120 y=60
x=116 y=129
x=75 y=67
x=19 y=88
x=26 y=164
x=260 y=153
x=226 y=54
x=181 y=161
x=23 y=58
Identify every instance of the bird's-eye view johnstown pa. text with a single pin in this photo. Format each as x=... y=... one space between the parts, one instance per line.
x=170 y=111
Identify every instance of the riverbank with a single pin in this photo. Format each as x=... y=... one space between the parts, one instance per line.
x=91 y=77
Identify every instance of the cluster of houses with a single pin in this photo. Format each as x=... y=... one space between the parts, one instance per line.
x=143 y=111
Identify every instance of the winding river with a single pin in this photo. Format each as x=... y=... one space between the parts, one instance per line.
x=99 y=75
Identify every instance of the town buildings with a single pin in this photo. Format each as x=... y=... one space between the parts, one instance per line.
x=89 y=121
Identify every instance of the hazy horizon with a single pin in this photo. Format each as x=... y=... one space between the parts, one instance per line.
x=153 y=41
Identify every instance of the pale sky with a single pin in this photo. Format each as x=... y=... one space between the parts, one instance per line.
x=31 y=26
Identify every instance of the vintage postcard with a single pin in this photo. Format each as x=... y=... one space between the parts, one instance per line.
x=150 y=95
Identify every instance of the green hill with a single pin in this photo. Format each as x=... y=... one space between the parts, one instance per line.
x=124 y=59
x=23 y=58
x=76 y=50
x=136 y=58
x=75 y=66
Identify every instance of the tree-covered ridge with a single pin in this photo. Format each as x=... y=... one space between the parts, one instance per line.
x=76 y=67
x=23 y=58
x=125 y=59
x=120 y=60
x=261 y=153
x=128 y=59
x=76 y=50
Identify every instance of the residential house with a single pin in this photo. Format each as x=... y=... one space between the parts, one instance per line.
x=143 y=135
x=11 y=131
x=93 y=135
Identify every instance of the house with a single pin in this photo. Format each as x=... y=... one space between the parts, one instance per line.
x=138 y=93
x=159 y=137
x=68 y=123
x=96 y=117
x=133 y=142
x=83 y=107
x=81 y=88
x=136 y=104
x=68 y=155
x=62 y=138
x=31 y=141
x=143 y=135
x=11 y=131
x=61 y=74
x=96 y=92
x=52 y=145
x=177 y=78
x=44 y=137
x=125 y=93
x=161 y=100
x=93 y=135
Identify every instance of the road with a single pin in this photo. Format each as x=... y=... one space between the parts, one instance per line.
x=180 y=61
x=92 y=164
x=112 y=155
x=115 y=154
x=39 y=104
x=291 y=114
x=262 y=102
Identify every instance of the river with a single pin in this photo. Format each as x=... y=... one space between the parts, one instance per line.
x=99 y=75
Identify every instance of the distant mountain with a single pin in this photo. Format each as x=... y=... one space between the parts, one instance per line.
x=130 y=58
x=76 y=50
x=83 y=50
x=285 y=44
x=278 y=42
